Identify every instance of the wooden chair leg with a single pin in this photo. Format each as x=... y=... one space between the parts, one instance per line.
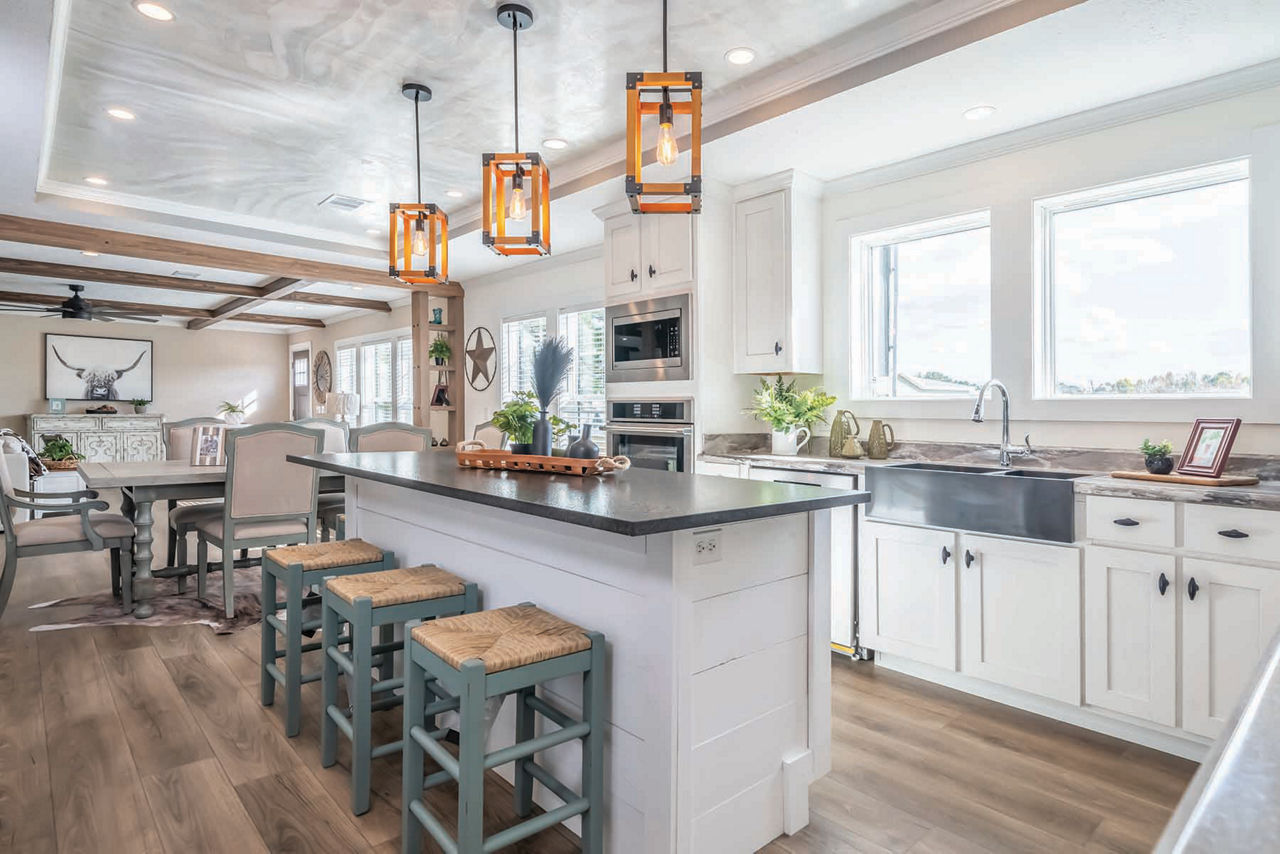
x=172 y=551
x=228 y=582
x=6 y=580
x=115 y=572
x=126 y=577
x=180 y=557
x=268 y=655
x=202 y=567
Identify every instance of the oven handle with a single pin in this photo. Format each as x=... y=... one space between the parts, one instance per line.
x=616 y=427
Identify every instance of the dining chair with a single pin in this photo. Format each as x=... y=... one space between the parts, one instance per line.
x=383 y=436
x=489 y=434
x=337 y=440
x=80 y=526
x=178 y=437
x=268 y=502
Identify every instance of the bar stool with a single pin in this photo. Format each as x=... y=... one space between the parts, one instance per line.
x=366 y=601
x=464 y=660
x=298 y=567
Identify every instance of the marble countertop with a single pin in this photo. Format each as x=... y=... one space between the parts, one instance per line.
x=632 y=503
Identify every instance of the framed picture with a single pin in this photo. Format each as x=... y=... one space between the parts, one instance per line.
x=57 y=406
x=208 y=445
x=1209 y=446
x=87 y=367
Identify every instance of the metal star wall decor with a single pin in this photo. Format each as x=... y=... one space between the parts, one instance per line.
x=481 y=356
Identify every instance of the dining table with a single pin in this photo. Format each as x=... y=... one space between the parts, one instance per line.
x=141 y=484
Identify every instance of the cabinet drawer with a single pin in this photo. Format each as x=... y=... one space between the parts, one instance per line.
x=131 y=424
x=63 y=424
x=1130 y=520
x=1232 y=531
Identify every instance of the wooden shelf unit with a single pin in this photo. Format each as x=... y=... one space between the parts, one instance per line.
x=426 y=373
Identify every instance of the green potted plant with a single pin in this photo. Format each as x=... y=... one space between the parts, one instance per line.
x=58 y=454
x=1158 y=456
x=789 y=413
x=516 y=418
x=440 y=350
x=140 y=405
x=232 y=413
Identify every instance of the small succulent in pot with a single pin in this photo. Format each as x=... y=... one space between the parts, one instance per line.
x=1159 y=457
x=140 y=405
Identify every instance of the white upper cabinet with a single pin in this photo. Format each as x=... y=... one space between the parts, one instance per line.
x=777 y=295
x=646 y=253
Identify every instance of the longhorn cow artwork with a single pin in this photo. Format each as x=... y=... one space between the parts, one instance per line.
x=83 y=367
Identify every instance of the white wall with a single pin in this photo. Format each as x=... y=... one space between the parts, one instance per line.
x=1007 y=185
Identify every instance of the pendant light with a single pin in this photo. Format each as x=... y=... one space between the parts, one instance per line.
x=516 y=185
x=649 y=94
x=417 y=229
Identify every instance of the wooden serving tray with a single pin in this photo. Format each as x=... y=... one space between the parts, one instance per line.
x=483 y=458
x=1191 y=479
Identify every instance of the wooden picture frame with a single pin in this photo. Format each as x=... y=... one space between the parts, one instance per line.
x=209 y=445
x=1208 y=447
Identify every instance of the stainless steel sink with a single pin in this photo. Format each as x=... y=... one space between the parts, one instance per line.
x=1032 y=503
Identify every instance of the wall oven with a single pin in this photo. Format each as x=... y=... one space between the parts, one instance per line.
x=655 y=433
x=649 y=340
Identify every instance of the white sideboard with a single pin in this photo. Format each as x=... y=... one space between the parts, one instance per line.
x=103 y=438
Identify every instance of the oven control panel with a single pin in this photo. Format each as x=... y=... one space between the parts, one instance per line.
x=668 y=411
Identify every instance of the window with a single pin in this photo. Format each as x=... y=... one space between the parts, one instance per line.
x=928 y=290
x=380 y=371
x=520 y=338
x=1146 y=288
x=582 y=399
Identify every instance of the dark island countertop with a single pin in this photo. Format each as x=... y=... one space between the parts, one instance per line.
x=632 y=503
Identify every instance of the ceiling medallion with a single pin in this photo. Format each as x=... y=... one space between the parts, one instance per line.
x=418 y=231
x=649 y=94
x=516 y=186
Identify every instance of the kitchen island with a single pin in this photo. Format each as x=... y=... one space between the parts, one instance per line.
x=713 y=594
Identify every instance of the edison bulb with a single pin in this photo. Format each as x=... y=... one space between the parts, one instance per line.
x=419 y=244
x=667 y=150
x=518 y=208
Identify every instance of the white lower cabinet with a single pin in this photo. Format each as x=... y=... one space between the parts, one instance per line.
x=1226 y=627
x=1130 y=631
x=1020 y=615
x=907 y=592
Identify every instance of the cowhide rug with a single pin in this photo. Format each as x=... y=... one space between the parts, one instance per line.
x=170 y=608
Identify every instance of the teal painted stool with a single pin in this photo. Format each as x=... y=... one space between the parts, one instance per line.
x=463 y=661
x=297 y=568
x=366 y=601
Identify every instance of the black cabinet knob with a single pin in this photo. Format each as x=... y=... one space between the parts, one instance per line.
x=652 y=271
x=1192 y=588
x=1233 y=534
x=946 y=555
x=634 y=275
x=969 y=558
x=777 y=348
x=1126 y=522
x=1162 y=584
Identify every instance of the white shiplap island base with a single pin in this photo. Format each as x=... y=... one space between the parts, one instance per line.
x=719 y=671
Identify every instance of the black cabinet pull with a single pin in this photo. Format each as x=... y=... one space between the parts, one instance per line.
x=1233 y=534
x=946 y=555
x=634 y=274
x=1162 y=584
x=1192 y=588
x=777 y=348
x=969 y=558
x=1126 y=522
x=652 y=272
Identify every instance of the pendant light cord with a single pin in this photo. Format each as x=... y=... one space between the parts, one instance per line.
x=417 y=145
x=664 y=36
x=515 y=76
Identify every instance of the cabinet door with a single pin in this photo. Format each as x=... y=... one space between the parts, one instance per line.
x=622 y=256
x=1020 y=615
x=907 y=592
x=100 y=447
x=761 y=286
x=1130 y=633
x=141 y=447
x=1225 y=631
x=666 y=242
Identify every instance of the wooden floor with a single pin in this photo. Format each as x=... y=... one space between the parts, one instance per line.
x=136 y=739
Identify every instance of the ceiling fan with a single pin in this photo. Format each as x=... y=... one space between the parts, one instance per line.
x=78 y=308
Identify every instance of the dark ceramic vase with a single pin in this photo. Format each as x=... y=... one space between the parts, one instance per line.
x=584 y=448
x=542 y=436
x=1160 y=465
x=521 y=448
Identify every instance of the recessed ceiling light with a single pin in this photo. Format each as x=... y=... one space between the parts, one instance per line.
x=453 y=194
x=96 y=181
x=980 y=112
x=121 y=113
x=90 y=253
x=740 y=55
x=555 y=143
x=154 y=11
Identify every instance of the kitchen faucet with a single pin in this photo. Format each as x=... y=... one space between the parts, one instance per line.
x=1006 y=450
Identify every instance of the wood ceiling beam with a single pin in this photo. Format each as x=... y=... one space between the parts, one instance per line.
x=48 y=270
x=238 y=306
x=53 y=301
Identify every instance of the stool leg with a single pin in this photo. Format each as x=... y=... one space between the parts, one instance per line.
x=524 y=732
x=412 y=776
x=361 y=695
x=328 y=682
x=268 y=654
x=471 y=758
x=593 y=687
x=386 y=661
x=293 y=652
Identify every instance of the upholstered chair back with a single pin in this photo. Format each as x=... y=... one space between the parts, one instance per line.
x=179 y=435
x=391 y=436
x=261 y=482
x=335 y=433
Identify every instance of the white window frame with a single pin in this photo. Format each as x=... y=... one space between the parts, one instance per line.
x=552 y=317
x=393 y=336
x=862 y=367
x=1045 y=368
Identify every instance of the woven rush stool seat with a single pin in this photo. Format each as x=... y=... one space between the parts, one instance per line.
x=297 y=568
x=455 y=664
x=375 y=600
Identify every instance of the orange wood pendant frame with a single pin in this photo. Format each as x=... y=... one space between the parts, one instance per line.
x=498 y=169
x=640 y=84
x=436 y=224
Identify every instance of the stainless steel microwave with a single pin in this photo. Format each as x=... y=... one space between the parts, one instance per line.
x=649 y=340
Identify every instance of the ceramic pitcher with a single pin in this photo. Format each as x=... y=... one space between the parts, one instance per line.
x=788 y=443
x=878 y=443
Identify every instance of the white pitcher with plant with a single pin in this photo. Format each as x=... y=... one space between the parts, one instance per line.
x=790 y=413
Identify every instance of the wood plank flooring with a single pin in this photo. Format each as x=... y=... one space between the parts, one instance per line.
x=136 y=739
